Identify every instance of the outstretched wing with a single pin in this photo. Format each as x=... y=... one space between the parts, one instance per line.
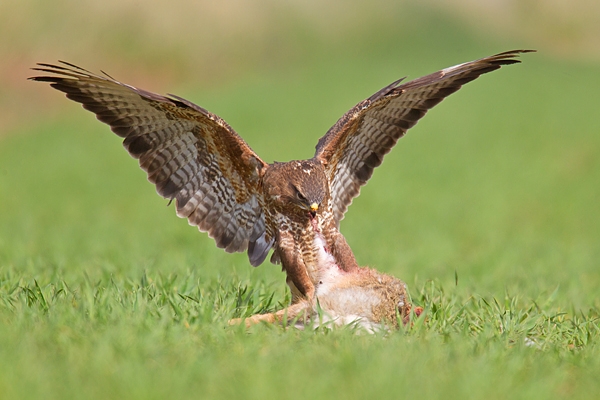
x=190 y=154
x=356 y=144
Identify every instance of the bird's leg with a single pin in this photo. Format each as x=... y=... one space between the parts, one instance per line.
x=298 y=278
x=341 y=251
x=296 y=294
x=301 y=286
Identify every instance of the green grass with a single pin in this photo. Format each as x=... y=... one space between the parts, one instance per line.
x=488 y=209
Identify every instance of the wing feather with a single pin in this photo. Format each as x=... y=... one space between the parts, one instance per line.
x=191 y=155
x=358 y=142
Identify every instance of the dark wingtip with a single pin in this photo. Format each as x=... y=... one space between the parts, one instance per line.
x=41 y=78
x=69 y=71
x=510 y=57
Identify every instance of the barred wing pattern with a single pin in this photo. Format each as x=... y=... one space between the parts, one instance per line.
x=357 y=143
x=191 y=155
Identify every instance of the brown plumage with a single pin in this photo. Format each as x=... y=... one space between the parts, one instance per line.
x=221 y=186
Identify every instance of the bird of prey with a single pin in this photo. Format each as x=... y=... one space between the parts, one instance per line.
x=293 y=208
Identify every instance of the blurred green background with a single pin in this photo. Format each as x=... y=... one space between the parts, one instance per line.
x=498 y=185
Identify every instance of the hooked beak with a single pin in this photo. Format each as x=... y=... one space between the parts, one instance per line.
x=313 y=209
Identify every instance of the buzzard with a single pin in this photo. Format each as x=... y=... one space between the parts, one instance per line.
x=294 y=208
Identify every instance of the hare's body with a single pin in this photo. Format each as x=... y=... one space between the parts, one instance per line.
x=365 y=297
x=361 y=296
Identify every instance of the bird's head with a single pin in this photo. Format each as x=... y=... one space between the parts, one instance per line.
x=303 y=185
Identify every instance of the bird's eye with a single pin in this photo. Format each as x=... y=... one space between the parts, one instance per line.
x=299 y=195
